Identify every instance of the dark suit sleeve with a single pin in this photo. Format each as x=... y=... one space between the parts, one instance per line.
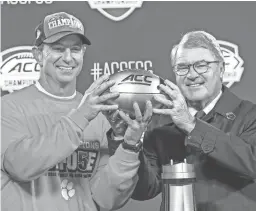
x=149 y=183
x=235 y=152
x=112 y=144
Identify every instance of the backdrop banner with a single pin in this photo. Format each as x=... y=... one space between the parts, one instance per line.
x=132 y=34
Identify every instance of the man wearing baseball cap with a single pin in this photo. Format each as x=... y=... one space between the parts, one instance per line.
x=57 y=26
x=54 y=146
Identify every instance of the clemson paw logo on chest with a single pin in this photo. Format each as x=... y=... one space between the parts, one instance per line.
x=67 y=189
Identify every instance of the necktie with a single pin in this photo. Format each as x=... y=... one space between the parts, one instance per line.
x=200 y=114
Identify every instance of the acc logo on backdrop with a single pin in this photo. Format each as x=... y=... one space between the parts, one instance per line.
x=233 y=63
x=115 y=10
x=18 y=68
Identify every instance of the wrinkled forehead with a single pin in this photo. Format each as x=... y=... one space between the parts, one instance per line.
x=69 y=40
x=191 y=55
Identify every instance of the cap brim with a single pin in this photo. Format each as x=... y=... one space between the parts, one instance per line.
x=60 y=35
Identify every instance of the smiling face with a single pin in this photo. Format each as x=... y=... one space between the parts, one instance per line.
x=62 y=61
x=200 y=88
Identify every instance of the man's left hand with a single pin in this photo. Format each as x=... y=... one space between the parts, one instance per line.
x=136 y=127
x=176 y=107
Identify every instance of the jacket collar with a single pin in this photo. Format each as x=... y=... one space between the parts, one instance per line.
x=227 y=103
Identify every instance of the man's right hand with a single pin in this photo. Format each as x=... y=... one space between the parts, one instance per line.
x=93 y=101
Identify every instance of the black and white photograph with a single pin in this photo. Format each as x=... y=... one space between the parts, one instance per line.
x=128 y=105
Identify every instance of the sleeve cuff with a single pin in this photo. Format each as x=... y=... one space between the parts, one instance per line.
x=202 y=137
x=78 y=119
x=126 y=155
x=115 y=147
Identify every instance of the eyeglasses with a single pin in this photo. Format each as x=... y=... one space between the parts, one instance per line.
x=200 y=67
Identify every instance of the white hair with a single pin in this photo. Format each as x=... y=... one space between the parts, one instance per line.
x=198 y=39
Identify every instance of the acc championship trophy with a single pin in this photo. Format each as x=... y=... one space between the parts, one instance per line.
x=178 y=187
